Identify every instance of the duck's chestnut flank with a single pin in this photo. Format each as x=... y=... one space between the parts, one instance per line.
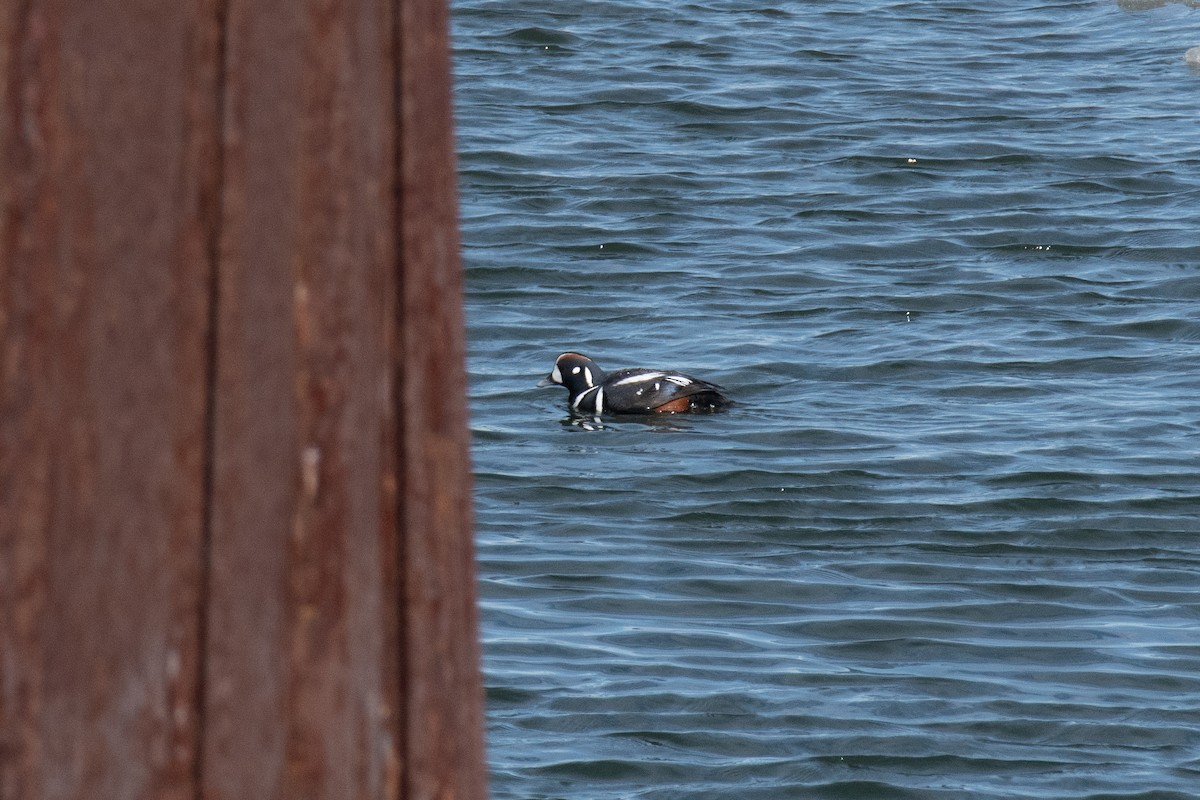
x=591 y=390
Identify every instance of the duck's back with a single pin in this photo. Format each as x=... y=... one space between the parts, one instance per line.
x=649 y=391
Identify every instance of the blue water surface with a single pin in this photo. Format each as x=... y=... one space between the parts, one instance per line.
x=946 y=256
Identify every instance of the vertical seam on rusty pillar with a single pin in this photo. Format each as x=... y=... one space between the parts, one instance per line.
x=399 y=361
x=213 y=253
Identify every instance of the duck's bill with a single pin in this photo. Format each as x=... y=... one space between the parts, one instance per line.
x=546 y=381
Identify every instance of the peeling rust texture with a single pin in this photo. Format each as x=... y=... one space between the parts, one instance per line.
x=108 y=136
x=439 y=581
x=235 y=530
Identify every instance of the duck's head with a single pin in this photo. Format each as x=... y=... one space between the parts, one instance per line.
x=575 y=371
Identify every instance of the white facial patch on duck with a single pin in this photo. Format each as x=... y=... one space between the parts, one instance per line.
x=556 y=375
x=587 y=375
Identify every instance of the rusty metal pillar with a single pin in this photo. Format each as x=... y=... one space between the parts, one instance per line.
x=235 y=530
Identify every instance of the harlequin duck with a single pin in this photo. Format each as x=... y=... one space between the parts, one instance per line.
x=632 y=391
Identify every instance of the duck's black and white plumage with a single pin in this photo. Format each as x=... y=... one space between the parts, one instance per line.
x=591 y=390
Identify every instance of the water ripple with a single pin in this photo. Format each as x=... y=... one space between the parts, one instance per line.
x=944 y=255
